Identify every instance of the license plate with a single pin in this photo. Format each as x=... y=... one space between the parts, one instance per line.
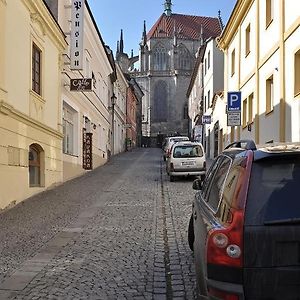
x=188 y=163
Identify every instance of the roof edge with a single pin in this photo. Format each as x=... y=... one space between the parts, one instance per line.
x=238 y=13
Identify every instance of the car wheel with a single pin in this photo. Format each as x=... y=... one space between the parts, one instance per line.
x=172 y=178
x=191 y=236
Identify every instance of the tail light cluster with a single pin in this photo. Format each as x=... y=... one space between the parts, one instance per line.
x=222 y=295
x=225 y=245
x=204 y=165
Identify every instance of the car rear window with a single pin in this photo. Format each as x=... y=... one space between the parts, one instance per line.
x=273 y=195
x=188 y=151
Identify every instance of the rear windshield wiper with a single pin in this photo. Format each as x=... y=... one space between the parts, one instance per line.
x=283 y=221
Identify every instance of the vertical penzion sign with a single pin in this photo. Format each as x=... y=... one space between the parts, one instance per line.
x=76 y=39
x=87 y=154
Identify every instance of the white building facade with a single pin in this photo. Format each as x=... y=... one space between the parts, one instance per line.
x=85 y=113
x=261 y=44
x=206 y=98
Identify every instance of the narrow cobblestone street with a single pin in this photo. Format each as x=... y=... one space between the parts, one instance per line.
x=119 y=232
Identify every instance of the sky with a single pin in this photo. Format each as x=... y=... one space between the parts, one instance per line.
x=113 y=15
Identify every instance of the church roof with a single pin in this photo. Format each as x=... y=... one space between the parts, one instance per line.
x=187 y=27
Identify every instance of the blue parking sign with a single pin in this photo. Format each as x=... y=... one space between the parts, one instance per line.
x=234 y=100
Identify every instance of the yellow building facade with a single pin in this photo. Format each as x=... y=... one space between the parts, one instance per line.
x=31 y=47
x=261 y=44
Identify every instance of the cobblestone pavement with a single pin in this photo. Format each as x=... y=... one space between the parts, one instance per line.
x=119 y=232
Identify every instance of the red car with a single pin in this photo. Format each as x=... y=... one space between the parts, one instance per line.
x=245 y=224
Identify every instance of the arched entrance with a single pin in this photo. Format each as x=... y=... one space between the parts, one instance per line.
x=35 y=165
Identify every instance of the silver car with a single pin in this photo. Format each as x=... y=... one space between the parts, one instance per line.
x=186 y=159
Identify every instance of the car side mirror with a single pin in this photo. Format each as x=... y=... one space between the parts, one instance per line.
x=197 y=184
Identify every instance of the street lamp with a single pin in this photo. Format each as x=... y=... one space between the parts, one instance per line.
x=113 y=99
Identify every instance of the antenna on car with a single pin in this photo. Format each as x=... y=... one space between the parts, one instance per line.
x=243 y=144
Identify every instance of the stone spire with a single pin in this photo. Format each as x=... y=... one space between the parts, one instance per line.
x=168 y=7
x=121 y=45
x=144 y=38
x=220 y=19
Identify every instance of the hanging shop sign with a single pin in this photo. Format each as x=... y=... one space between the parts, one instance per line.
x=76 y=38
x=87 y=155
x=81 y=85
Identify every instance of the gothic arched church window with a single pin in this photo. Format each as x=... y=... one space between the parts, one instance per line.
x=184 y=57
x=160 y=58
x=160 y=105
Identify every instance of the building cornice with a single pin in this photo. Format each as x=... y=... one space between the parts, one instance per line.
x=234 y=22
x=40 y=13
x=9 y=110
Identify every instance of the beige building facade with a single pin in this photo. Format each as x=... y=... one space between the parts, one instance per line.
x=31 y=48
x=261 y=44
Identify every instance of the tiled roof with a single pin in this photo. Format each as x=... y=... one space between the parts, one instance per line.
x=187 y=27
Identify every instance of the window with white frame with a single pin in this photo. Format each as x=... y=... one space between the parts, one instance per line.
x=232 y=62
x=297 y=73
x=269 y=94
x=269 y=12
x=69 y=118
x=247 y=40
x=247 y=110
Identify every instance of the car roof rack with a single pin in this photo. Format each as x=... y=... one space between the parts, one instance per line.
x=242 y=144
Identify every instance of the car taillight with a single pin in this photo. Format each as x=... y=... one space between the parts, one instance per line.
x=224 y=245
x=171 y=167
x=204 y=165
x=222 y=295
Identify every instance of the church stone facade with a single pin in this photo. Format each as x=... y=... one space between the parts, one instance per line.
x=166 y=61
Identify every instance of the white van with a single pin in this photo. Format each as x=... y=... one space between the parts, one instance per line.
x=186 y=159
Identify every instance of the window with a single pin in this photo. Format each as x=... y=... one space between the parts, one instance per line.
x=160 y=109
x=184 y=58
x=232 y=62
x=34 y=158
x=250 y=108
x=185 y=112
x=247 y=42
x=36 y=69
x=245 y=112
x=269 y=12
x=160 y=59
x=87 y=68
x=217 y=184
x=68 y=130
x=208 y=98
x=269 y=94
x=208 y=60
x=297 y=73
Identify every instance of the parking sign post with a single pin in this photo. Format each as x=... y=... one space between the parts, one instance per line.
x=234 y=100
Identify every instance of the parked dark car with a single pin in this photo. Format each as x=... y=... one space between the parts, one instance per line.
x=245 y=224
